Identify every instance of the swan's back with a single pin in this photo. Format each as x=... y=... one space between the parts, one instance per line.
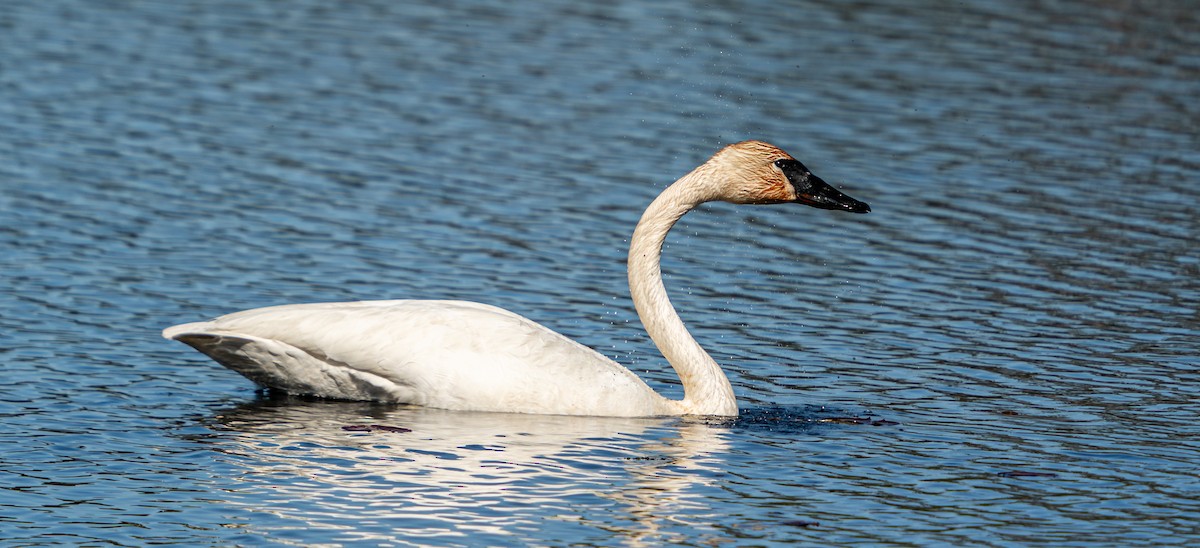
x=446 y=354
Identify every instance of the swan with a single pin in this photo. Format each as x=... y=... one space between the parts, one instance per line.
x=468 y=356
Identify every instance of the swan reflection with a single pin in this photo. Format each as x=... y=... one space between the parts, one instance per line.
x=472 y=476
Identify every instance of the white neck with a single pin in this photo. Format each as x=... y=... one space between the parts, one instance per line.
x=706 y=389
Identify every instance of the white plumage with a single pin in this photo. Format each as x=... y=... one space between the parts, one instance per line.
x=444 y=354
x=470 y=356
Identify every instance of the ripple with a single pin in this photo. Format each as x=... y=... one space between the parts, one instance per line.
x=1003 y=352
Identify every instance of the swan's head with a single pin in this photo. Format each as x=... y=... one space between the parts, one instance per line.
x=754 y=172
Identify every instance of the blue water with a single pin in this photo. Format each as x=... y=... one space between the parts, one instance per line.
x=1004 y=352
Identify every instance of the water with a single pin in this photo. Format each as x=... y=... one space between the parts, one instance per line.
x=1014 y=326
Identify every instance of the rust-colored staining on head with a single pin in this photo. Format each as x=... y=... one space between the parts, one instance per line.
x=777 y=189
x=755 y=178
x=755 y=148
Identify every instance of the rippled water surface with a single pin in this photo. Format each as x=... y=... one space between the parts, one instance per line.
x=1004 y=352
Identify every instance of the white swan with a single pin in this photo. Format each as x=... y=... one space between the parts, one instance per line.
x=469 y=356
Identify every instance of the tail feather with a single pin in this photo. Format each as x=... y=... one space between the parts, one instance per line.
x=175 y=331
x=281 y=366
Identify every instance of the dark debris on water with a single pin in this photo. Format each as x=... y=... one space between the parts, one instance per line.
x=802 y=523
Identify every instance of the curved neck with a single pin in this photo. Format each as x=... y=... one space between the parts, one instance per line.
x=706 y=389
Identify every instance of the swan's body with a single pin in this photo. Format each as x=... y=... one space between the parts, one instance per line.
x=444 y=354
x=470 y=356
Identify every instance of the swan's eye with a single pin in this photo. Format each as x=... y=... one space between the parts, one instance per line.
x=792 y=168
